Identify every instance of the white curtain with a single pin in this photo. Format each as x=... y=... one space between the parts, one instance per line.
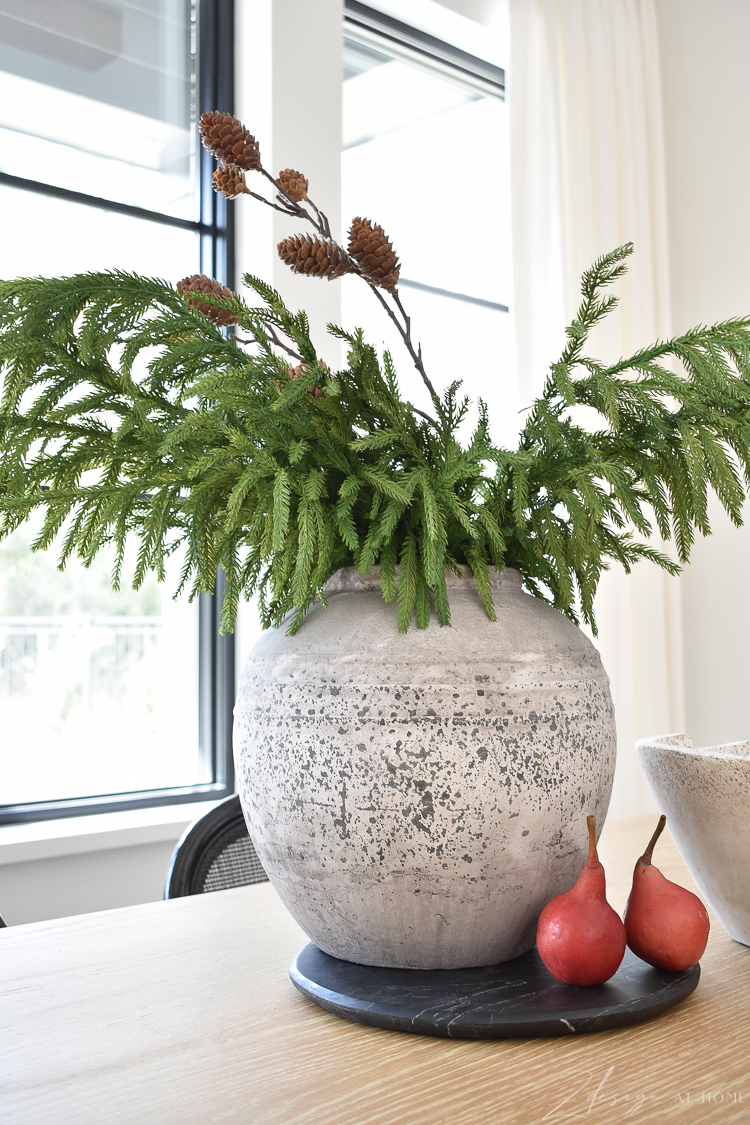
x=588 y=175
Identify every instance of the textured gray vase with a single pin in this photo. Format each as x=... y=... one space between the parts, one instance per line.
x=417 y=798
x=705 y=795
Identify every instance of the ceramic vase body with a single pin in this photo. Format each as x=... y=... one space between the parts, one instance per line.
x=416 y=799
x=705 y=794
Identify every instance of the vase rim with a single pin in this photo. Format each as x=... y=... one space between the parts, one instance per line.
x=349 y=579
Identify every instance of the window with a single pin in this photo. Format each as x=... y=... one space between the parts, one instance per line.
x=426 y=155
x=110 y=700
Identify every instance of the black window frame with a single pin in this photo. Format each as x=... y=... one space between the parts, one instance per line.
x=216 y=675
x=415 y=46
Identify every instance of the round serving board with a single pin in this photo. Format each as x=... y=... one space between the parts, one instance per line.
x=513 y=999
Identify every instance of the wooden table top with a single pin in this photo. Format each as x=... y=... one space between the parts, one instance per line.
x=181 y=1013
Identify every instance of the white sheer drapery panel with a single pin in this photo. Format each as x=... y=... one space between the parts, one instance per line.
x=588 y=175
x=537 y=193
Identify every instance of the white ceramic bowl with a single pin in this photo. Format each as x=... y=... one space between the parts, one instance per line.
x=705 y=795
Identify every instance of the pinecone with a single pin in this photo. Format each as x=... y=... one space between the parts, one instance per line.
x=295 y=372
x=228 y=139
x=230 y=181
x=199 y=283
x=372 y=251
x=317 y=257
x=293 y=183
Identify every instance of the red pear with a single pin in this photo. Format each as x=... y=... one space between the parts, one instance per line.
x=667 y=925
x=579 y=937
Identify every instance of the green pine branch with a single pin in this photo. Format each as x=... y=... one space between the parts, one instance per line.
x=125 y=413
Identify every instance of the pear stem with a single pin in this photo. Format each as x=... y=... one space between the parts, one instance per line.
x=646 y=857
x=593 y=857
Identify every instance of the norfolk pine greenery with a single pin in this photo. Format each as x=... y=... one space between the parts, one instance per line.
x=126 y=413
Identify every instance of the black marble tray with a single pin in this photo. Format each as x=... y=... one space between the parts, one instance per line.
x=515 y=999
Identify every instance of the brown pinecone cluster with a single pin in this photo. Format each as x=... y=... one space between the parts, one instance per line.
x=230 y=181
x=314 y=256
x=295 y=372
x=198 y=284
x=293 y=183
x=229 y=141
x=369 y=247
x=374 y=255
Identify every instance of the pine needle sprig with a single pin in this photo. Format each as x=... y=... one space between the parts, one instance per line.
x=667 y=439
x=128 y=414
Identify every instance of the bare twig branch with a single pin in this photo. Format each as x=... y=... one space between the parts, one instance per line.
x=405 y=333
x=288 y=206
x=274 y=340
x=280 y=344
x=426 y=417
x=268 y=203
x=324 y=225
x=320 y=223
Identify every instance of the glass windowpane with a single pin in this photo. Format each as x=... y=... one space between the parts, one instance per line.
x=100 y=98
x=98 y=690
x=428 y=159
x=53 y=238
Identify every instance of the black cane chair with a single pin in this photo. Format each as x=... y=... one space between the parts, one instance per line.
x=215 y=853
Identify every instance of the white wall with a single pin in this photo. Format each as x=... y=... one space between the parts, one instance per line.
x=289 y=91
x=81 y=864
x=705 y=53
x=33 y=890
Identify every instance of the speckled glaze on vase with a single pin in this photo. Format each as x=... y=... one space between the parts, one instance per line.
x=705 y=795
x=417 y=798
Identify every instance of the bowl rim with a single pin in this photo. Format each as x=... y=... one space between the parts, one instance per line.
x=682 y=744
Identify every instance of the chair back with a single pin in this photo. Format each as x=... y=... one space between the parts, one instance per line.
x=215 y=853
